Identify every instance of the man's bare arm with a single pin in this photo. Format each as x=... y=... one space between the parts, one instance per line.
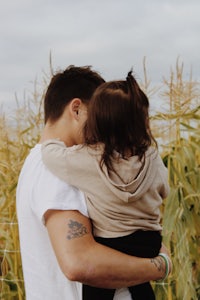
x=82 y=259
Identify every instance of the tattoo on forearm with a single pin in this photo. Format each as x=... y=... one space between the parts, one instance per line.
x=76 y=230
x=158 y=262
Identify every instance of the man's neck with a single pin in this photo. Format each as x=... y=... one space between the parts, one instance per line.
x=56 y=131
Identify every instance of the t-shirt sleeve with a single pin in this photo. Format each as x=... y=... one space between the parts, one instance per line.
x=57 y=195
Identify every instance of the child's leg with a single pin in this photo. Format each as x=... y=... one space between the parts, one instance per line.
x=141 y=244
x=93 y=293
x=142 y=291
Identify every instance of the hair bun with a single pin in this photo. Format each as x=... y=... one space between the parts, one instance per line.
x=129 y=75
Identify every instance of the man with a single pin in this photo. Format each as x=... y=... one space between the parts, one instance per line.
x=57 y=246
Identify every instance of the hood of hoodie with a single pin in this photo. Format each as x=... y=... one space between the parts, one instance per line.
x=132 y=177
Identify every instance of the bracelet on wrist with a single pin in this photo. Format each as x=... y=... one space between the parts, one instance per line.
x=167 y=265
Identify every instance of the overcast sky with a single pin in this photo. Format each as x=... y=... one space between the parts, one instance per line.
x=110 y=35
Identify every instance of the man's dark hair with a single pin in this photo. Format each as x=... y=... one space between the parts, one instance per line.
x=73 y=82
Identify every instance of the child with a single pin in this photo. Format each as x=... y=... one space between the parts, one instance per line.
x=121 y=173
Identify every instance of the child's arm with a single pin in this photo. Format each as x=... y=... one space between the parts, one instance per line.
x=60 y=159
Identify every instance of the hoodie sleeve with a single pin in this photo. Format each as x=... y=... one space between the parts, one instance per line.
x=59 y=159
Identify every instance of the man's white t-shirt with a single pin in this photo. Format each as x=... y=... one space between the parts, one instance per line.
x=38 y=191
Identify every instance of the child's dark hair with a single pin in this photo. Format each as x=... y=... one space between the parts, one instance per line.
x=118 y=117
x=74 y=82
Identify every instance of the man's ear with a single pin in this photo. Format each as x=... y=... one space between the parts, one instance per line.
x=74 y=107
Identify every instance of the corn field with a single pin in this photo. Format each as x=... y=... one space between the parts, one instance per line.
x=176 y=127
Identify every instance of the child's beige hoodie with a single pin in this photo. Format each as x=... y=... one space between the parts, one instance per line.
x=119 y=202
